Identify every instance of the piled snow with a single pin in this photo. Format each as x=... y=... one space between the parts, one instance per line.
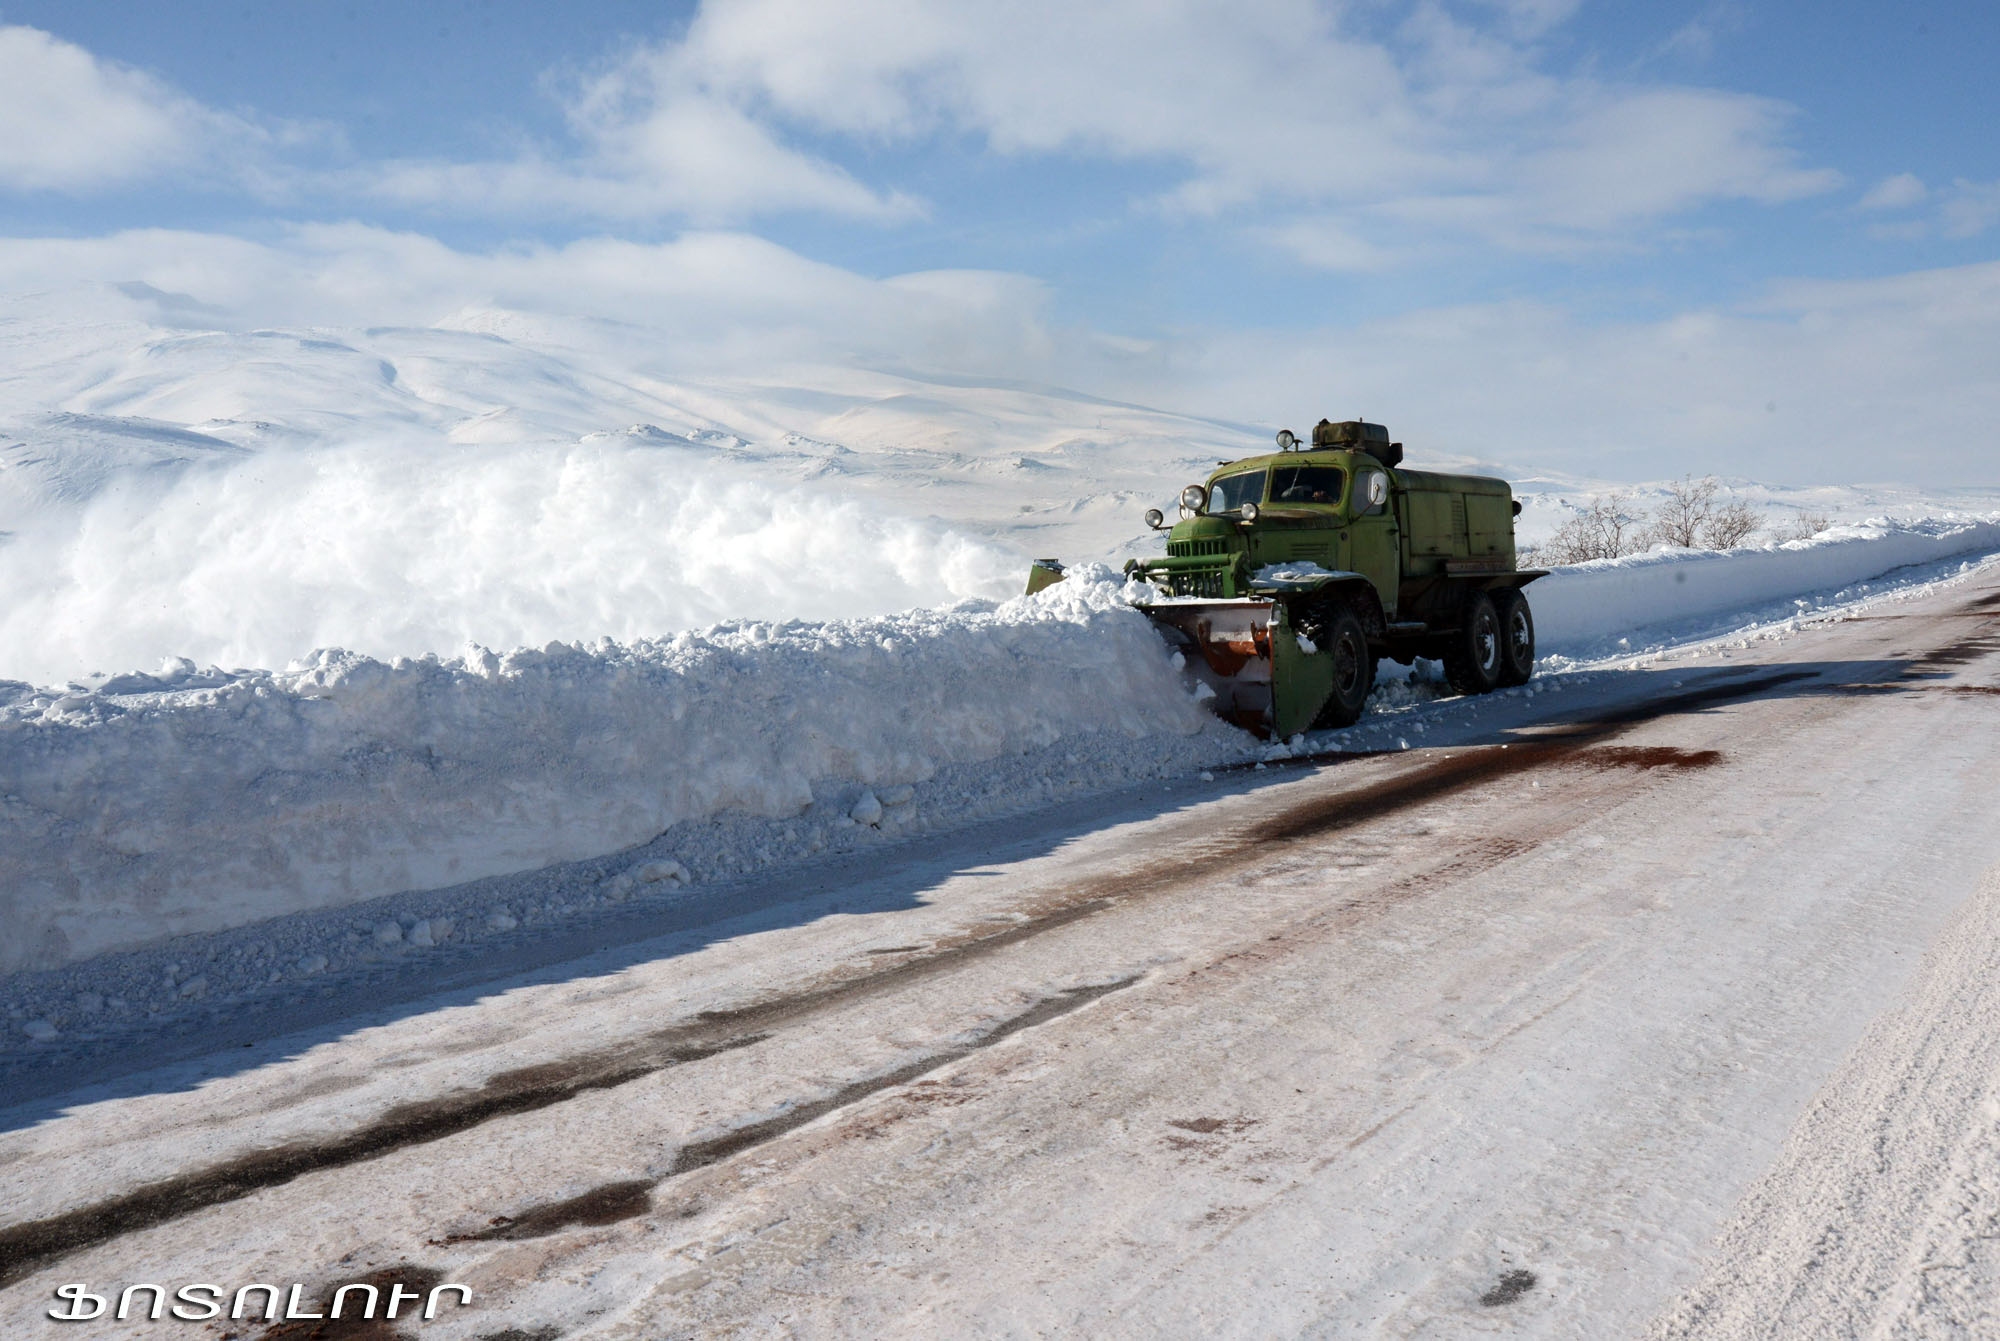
x=1585 y=609
x=420 y=546
x=148 y=806
x=143 y=806
x=174 y=495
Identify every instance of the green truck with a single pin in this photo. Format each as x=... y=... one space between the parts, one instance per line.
x=1288 y=575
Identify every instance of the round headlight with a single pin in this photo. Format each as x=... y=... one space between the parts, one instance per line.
x=1287 y=440
x=1194 y=498
x=1154 y=518
x=1249 y=512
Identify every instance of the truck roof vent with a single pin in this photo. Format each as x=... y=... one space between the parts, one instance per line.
x=1348 y=433
x=1360 y=435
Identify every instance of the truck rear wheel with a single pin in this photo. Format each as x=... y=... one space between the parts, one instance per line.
x=1341 y=637
x=1474 y=661
x=1517 y=638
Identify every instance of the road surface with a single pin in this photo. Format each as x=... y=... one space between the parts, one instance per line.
x=1657 y=1003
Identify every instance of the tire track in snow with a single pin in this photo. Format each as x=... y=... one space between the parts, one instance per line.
x=624 y=1200
x=27 y=1246
x=1881 y=1216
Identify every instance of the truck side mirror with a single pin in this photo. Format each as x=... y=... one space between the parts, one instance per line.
x=1375 y=493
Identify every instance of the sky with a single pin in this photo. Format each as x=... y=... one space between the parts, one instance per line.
x=1756 y=238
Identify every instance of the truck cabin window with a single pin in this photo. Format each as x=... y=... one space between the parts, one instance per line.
x=1233 y=491
x=1307 y=484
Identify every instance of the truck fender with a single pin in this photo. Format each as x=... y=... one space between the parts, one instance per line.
x=1353 y=588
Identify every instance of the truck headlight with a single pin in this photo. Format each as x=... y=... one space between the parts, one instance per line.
x=1249 y=511
x=1287 y=440
x=1194 y=498
x=1154 y=519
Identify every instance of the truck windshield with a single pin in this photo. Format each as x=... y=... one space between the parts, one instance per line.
x=1233 y=491
x=1307 y=484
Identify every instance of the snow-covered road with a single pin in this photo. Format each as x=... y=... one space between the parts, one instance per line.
x=1505 y=1034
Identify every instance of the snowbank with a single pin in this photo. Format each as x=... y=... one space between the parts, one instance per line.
x=138 y=807
x=149 y=806
x=403 y=547
x=1582 y=609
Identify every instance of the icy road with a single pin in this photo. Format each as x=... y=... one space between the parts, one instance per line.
x=1664 y=1005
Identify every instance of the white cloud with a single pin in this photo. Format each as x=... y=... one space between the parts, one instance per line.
x=1327 y=243
x=1288 y=108
x=71 y=122
x=655 y=145
x=1964 y=209
x=1531 y=18
x=1871 y=379
x=1694 y=42
x=1277 y=106
x=1899 y=192
x=1970 y=208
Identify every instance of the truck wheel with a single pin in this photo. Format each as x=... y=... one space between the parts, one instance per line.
x=1474 y=661
x=1517 y=638
x=1341 y=637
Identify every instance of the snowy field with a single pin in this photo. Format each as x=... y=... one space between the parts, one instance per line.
x=465 y=679
x=306 y=620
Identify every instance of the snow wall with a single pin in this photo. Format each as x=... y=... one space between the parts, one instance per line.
x=145 y=806
x=406 y=547
x=1584 y=609
x=150 y=805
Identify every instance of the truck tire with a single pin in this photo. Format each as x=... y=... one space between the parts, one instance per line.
x=1340 y=636
x=1517 y=637
x=1473 y=662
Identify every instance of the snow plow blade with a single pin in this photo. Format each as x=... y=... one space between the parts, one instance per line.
x=1245 y=653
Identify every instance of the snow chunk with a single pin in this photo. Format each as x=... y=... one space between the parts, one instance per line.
x=1298 y=573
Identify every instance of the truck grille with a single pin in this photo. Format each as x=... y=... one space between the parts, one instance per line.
x=1182 y=549
x=1197 y=584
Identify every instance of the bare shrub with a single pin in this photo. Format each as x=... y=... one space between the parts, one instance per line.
x=1805 y=526
x=1689 y=505
x=1731 y=524
x=1604 y=530
x=1697 y=515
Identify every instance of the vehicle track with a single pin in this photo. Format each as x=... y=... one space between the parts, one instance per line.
x=1590 y=743
x=27 y=1246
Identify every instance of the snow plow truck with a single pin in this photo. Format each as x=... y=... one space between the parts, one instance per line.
x=1288 y=575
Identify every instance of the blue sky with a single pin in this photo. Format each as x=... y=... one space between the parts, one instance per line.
x=1167 y=192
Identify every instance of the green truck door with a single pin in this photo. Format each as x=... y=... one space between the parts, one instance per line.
x=1374 y=543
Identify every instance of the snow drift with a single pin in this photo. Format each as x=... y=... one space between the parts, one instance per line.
x=142 y=806
x=412 y=547
x=189 y=801
x=1583 y=609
